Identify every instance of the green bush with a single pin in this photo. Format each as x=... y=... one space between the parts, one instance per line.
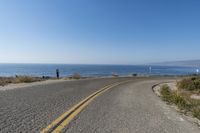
x=190 y=84
x=166 y=93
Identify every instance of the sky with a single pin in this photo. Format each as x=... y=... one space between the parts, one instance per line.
x=99 y=31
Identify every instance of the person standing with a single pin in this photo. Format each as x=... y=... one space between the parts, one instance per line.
x=57 y=73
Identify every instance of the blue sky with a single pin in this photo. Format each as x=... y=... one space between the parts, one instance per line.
x=99 y=31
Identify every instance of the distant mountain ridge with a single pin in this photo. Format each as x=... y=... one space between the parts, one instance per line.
x=193 y=63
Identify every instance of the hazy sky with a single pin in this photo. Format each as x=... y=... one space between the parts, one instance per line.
x=99 y=31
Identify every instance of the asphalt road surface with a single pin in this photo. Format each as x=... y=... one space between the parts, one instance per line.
x=131 y=107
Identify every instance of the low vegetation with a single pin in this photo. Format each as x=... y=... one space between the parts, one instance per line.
x=190 y=84
x=19 y=79
x=173 y=97
x=182 y=96
x=76 y=76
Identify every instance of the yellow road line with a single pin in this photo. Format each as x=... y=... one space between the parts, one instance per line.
x=65 y=114
x=57 y=125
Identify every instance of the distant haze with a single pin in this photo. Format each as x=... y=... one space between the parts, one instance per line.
x=193 y=63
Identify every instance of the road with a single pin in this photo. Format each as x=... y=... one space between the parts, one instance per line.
x=130 y=107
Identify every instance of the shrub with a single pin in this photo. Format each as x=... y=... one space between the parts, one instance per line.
x=166 y=93
x=2 y=82
x=18 y=79
x=197 y=84
x=76 y=76
x=26 y=79
x=6 y=80
x=180 y=101
x=196 y=113
x=190 y=84
x=184 y=102
x=134 y=75
x=173 y=97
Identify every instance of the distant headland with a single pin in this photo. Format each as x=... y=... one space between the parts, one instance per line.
x=192 y=63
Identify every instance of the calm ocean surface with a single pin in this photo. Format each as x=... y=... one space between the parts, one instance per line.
x=90 y=70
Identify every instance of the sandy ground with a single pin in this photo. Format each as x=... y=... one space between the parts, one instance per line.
x=172 y=86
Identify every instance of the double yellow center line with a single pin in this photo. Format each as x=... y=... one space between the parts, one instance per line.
x=62 y=121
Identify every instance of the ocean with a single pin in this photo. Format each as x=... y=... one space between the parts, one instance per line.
x=7 y=70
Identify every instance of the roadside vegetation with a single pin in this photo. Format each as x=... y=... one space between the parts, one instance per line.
x=19 y=79
x=183 y=97
x=75 y=76
x=190 y=84
x=29 y=79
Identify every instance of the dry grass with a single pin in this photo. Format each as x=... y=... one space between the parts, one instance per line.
x=75 y=76
x=190 y=84
x=27 y=79
x=182 y=99
x=5 y=81
x=173 y=97
x=19 y=79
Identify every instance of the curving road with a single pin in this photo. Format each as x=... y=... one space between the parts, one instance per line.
x=127 y=108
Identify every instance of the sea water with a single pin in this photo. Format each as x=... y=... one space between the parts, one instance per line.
x=91 y=70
